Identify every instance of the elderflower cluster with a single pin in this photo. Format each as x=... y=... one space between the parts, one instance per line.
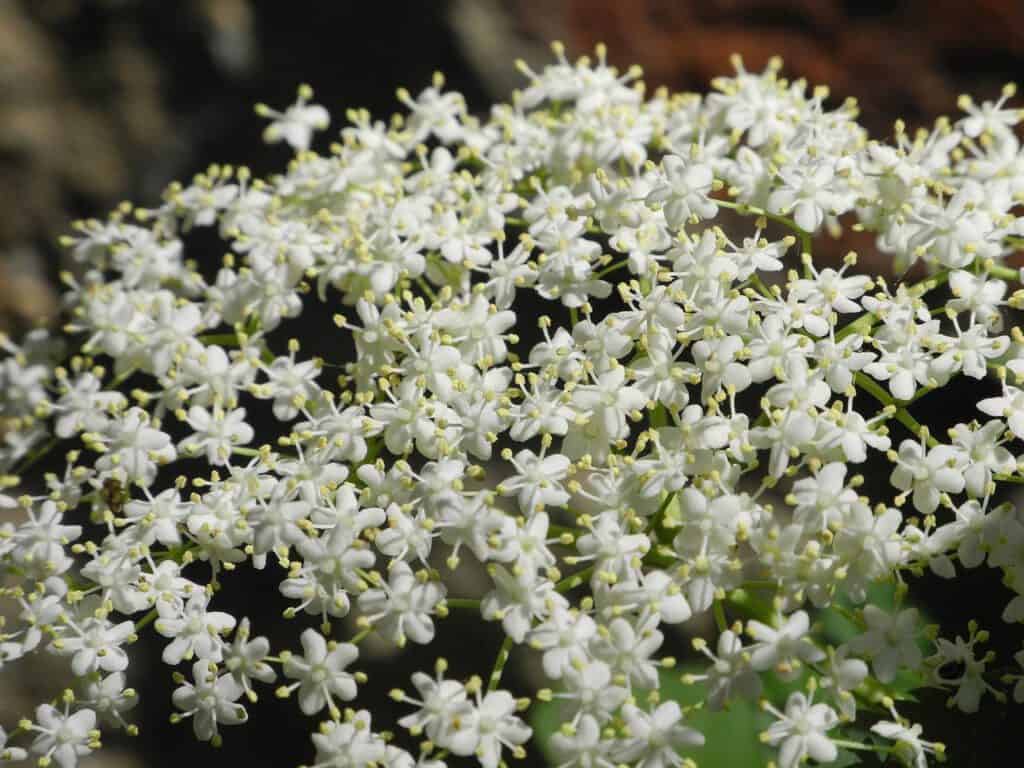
x=594 y=353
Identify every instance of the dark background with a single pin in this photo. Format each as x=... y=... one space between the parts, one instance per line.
x=102 y=101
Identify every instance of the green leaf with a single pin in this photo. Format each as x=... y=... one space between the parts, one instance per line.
x=731 y=736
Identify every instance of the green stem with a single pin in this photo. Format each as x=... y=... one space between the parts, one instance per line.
x=719 y=611
x=425 y=287
x=856 y=745
x=763 y=289
x=862 y=326
x=658 y=523
x=119 y=380
x=499 y=664
x=613 y=268
x=574 y=580
x=1005 y=273
x=903 y=416
x=360 y=636
x=146 y=620
x=36 y=455
x=805 y=244
x=221 y=339
x=749 y=210
x=466 y=603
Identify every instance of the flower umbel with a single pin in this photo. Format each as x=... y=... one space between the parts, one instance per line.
x=605 y=381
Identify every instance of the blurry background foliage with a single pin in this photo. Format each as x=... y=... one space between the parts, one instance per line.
x=109 y=100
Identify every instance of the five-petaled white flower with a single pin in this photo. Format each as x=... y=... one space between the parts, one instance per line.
x=321 y=673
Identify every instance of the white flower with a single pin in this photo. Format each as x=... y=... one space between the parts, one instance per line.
x=405 y=536
x=538 y=482
x=64 y=737
x=40 y=540
x=806 y=193
x=96 y=645
x=610 y=400
x=684 y=193
x=289 y=382
x=491 y=725
x=194 y=630
x=830 y=290
x=563 y=638
x=628 y=650
x=869 y=543
x=957 y=233
x=442 y=705
x=532 y=543
x=821 y=500
x=841 y=360
x=509 y=272
x=480 y=327
x=321 y=672
x=783 y=648
x=581 y=745
x=910 y=748
x=517 y=599
x=1018 y=688
x=544 y=410
x=928 y=474
x=968 y=670
x=719 y=365
x=85 y=406
x=970 y=351
x=216 y=433
x=402 y=608
x=801 y=731
x=655 y=737
x=349 y=743
x=730 y=672
x=297 y=123
x=790 y=430
x=210 y=701
x=134 y=449
x=985 y=455
x=434 y=112
x=978 y=295
x=244 y=659
x=890 y=641
x=844 y=676
x=612 y=550
x=111 y=697
x=967 y=533
x=590 y=686
x=990 y=117
x=1009 y=406
x=854 y=434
